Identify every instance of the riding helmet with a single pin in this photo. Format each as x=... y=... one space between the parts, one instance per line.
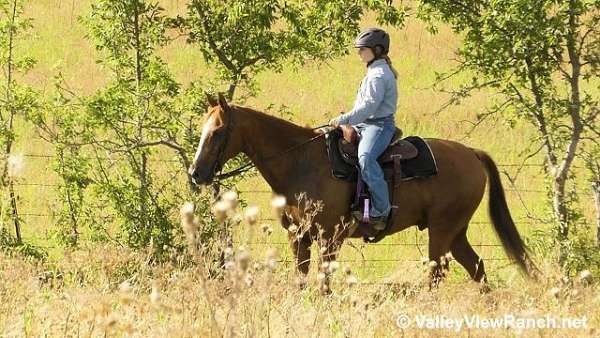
x=373 y=37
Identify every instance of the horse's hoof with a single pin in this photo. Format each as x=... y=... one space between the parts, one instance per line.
x=484 y=288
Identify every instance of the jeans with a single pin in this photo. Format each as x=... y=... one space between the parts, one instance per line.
x=375 y=136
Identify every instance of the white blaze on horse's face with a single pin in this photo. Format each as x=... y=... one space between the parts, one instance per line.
x=200 y=172
x=208 y=126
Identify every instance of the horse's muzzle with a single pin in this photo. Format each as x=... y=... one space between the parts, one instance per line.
x=200 y=176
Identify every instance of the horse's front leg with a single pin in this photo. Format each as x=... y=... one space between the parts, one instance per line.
x=301 y=249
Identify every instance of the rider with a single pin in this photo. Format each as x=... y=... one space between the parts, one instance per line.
x=373 y=117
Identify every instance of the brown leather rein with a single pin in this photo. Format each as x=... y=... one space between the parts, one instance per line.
x=251 y=165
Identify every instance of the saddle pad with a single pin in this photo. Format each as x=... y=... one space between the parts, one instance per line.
x=423 y=165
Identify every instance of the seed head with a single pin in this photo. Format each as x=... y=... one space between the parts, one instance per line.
x=243 y=259
x=187 y=209
x=231 y=198
x=155 y=294
x=249 y=280
x=586 y=276
x=15 y=164
x=271 y=259
x=251 y=215
x=278 y=203
x=333 y=266
x=351 y=281
x=220 y=210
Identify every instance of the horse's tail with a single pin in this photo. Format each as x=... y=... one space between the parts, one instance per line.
x=501 y=218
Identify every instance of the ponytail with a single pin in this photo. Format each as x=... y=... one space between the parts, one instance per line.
x=381 y=54
x=389 y=62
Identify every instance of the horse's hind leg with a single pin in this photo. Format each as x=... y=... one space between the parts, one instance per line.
x=463 y=252
x=439 y=245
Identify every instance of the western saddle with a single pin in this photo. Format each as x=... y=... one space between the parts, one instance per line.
x=397 y=150
x=392 y=156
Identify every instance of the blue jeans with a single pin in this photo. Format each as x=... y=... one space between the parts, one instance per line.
x=375 y=137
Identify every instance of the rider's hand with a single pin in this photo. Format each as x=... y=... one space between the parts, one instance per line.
x=333 y=122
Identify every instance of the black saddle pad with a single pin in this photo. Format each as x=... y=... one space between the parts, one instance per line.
x=421 y=166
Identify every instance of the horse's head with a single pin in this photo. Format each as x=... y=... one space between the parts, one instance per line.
x=216 y=142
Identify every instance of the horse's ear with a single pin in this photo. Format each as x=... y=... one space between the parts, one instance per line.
x=223 y=102
x=211 y=100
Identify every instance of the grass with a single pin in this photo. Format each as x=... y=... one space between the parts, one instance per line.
x=86 y=299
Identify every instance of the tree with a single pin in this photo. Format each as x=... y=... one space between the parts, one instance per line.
x=18 y=101
x=243 y=38
x=121 y=151
x=541 y=56
x=105 y=143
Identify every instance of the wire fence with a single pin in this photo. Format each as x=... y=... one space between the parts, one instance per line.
x=416 y=242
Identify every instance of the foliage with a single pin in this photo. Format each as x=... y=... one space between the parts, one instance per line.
x=122 y=153
x=541 y=57
x=243 y=38
x=18 y=101
x=9 y=245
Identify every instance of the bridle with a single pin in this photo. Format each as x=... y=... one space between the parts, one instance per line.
x=219 y=162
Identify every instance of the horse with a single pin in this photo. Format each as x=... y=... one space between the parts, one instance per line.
x=294 y=161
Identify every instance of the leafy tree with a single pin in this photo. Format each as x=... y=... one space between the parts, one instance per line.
x=121 y=151
x=243 y=38
x=18 y=100
x=542 y=56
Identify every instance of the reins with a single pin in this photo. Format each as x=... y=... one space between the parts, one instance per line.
x=251 y=165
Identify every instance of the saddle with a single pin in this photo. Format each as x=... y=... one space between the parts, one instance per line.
x=403 y=159
x=398 y=149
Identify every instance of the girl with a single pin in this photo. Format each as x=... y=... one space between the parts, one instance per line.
x=373 y=117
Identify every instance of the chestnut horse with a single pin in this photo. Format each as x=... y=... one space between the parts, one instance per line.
x=293 y=159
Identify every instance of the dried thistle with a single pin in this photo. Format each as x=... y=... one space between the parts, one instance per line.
x=219 y=210
x=271 y=259
x=266 y=228
x=251 y=215
x=333 y=266
x=15 y=163
x=243 y=259
x=586 y=277
x=231 y=198
x=278 y=203
x=155 y=294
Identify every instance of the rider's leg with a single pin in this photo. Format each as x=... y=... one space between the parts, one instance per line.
x=374 y=140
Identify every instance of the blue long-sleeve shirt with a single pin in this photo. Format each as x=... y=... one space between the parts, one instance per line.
x=377 y=96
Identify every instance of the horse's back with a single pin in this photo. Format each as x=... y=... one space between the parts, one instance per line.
x=461 y=176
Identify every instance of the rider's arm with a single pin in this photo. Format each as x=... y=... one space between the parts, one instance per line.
x=371 y=97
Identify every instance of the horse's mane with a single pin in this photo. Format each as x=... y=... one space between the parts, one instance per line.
x=276 y=121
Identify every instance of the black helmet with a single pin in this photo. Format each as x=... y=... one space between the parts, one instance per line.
x=372 y=37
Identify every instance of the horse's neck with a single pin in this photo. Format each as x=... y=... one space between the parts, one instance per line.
x=268 y=143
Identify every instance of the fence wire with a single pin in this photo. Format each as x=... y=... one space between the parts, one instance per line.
x=373 y=261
